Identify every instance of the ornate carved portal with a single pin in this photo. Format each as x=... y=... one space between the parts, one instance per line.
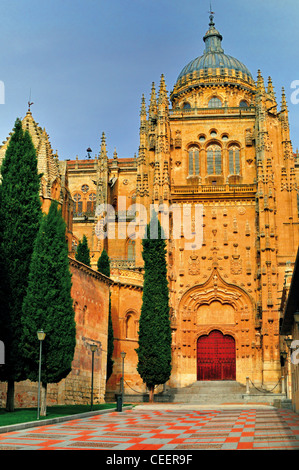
x=206 y=311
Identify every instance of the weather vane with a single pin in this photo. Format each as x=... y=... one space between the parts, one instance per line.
x=29 y=102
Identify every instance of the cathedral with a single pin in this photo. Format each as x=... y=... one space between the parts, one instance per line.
x=220 y=142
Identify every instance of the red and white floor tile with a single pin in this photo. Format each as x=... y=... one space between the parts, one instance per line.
x=160 y=429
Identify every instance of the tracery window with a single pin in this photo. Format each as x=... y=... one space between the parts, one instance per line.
x=84 y=188
x=193 y=161
x=77 y=204
x=215 y=102
x=214 y=160
x=234 y=160
x=91 y=203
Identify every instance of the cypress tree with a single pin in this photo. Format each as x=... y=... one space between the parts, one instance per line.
x=83 y=253
x=20 y=213
x=154 y=350
x=48 y=305
x=104 y=268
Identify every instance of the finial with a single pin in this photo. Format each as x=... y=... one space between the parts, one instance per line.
x=212 y=13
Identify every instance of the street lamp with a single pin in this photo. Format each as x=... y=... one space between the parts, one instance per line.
x=93 y=348
x=123 y=355
x=41 y=336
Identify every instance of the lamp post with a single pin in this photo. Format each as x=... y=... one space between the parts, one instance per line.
x=123 y=355
x=41 y=336
x=93 y=348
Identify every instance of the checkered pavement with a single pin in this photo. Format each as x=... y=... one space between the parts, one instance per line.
x=166 y=429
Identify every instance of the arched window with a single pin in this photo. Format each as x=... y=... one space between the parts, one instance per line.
x=91 y=203
x=214 y=160
x=130 y=326
x=234 y=160
x=243 y=104
x=131 y=250
x=77 y=204
x=193 y=161
x=186 y=105
x=215 y=102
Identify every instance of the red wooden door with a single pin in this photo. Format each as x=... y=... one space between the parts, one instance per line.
x=216 y=357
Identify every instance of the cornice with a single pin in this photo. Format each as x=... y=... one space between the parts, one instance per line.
x=89 y=271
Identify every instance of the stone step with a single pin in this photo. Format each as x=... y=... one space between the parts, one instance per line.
x=210 y=392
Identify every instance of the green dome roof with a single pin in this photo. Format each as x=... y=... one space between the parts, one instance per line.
x=214 y=57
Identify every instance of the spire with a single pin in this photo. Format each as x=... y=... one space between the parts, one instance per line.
x=270 y=90
x=153 y=102
x=162 y=99
x=284 y=106
x=260 y=83
x=212 y=37
x=143 y=116
x=103 y=145
x=162 y=90
x=143 y=107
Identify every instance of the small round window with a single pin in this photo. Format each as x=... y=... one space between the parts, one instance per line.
x=84 y=188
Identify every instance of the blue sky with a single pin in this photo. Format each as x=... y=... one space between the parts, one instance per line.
x=88 y=62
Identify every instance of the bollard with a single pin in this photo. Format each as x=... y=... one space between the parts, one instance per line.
x=247 y=386
x=119 y=403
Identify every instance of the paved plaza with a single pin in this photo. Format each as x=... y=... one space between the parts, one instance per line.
x=163 y=428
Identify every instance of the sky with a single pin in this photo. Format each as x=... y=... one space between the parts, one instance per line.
x=85 y=64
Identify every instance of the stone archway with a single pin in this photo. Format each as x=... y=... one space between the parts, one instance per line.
x=216 y=357
x=213 y=305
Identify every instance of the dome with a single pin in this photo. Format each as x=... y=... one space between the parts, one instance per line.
x=214 y=61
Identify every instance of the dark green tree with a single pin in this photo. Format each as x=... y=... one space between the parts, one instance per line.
x=83 y=253
x=48 y=305
x=104 y=268
x=154 y=350
x=20 y=214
